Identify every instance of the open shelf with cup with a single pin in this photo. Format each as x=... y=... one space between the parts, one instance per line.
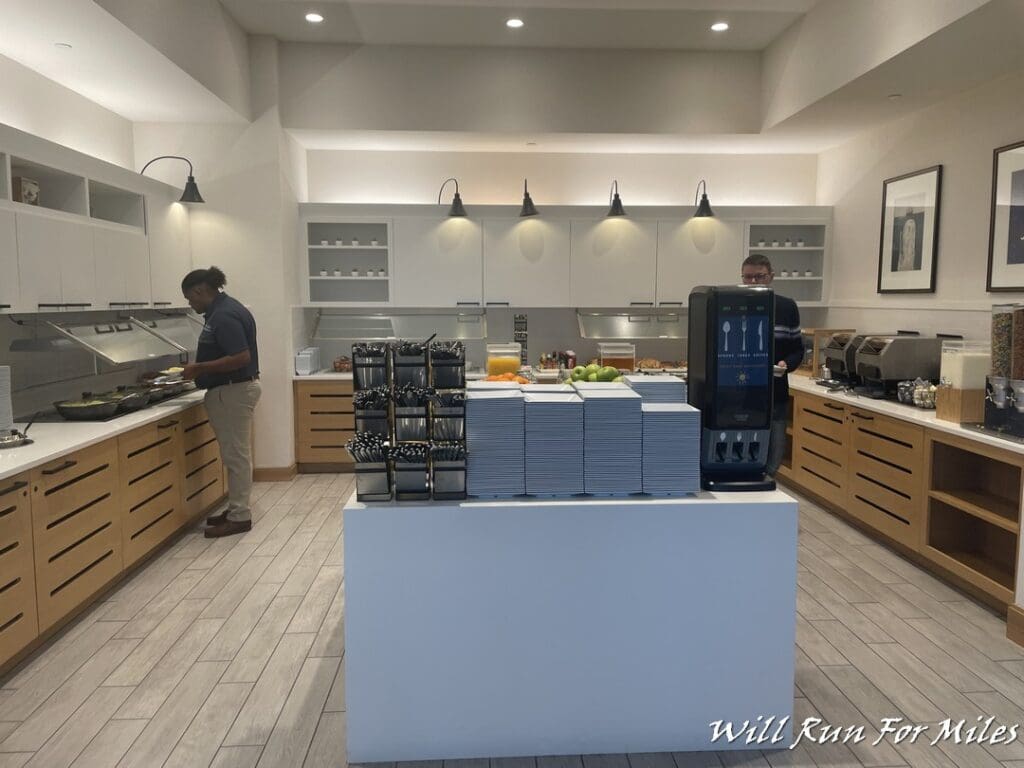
x=43 y=186
x=798 y=252
x=349 y=262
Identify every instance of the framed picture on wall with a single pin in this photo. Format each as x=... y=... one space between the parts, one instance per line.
x=1006 y=226
x=908 y=248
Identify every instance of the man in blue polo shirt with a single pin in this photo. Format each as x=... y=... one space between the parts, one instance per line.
x=227 y=366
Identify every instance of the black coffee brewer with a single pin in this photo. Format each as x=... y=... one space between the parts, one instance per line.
x=731 y=336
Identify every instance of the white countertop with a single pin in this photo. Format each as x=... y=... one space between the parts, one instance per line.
x=328 y=375
x=922 y=416
x=56 y=439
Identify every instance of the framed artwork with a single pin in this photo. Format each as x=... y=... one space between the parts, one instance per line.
x=909 y=244
x=1006 y=225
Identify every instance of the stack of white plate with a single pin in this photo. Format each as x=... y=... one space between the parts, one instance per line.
x=491 y=385
x=554 y=443
x=671 y=463
x=580 y=386
x=495 y=443
x=547 y=388
x=6 y=408
x=658 y=388
x=613 y=440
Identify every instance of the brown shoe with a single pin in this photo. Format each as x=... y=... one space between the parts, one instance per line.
x=228 y=528
x=218 y=518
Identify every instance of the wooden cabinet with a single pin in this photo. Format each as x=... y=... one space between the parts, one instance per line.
x=696 y=252
x=19 y=625
x=438 y=262
x=886 y=475
x=151 y=460
x=122 y=268
x=76 y=529
x=820 y=438
x=203 y=483
x=526 y=262
x=614 y=263
x=10 y=295
x=324 y=422
x=170 y=250
x=56 y=263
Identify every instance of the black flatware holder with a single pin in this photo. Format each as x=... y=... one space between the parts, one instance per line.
x=369 y=372
x=448 y=374
x=373 y=422
x=448 y=480
x=412 y=481
x=373 y=481
x=410 y=369
x=448 y=424
x=410 y=424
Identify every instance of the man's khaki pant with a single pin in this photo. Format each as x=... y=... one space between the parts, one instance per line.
x=231 y=408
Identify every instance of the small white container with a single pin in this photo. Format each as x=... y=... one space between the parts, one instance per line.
x=788 y=242
x=337 y=273
x=775 y=243
x=382 y=273
x=761 y=243
x=808 y=273
x=355 y=273
x=325 y=242
x=784 y=273
x=800 y=242
x=323 y=273
x=355 y=241
x=373 y=242
x=338 y=242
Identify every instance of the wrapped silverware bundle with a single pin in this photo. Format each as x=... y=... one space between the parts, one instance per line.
x=375 y=399
x=410 y=453
x=412 y=396
x=448 y=364
x=447 y=452
x=369 y=448
x=369 y=349
x=410 y=348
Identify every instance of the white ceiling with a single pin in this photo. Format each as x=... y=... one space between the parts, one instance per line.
x=103 y=52
x=655 y=24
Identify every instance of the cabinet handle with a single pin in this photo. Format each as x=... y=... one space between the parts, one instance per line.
x=49 y=306
x=56 y=470
x=162 y=303
x=77 y=305
x=16 y=487
x=641 y=303
x=467 y=303
x=167 y=424
x=499 y=303
x=834 y=407
x=862 y=416
x=670 y=303
x=5 y=306
x=129 y=303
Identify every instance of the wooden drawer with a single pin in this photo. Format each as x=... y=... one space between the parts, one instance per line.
x=202 y=489
x=19 y=624
x=326 y=451
x=312 y=422
x=193 y=416
x=198 y=478
x=201 y=456
x=821 y=418
x=313 y=391
x=197 y=435
x=143 y=450
x=886 y=511
x=150 y=521
x=817 y=475
x=76 y=520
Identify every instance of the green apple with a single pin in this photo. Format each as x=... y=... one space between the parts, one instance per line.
x=578 y=371
x=592 y=376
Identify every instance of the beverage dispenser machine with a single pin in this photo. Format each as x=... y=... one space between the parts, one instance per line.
x=730 y=343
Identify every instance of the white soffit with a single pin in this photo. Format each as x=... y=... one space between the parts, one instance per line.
x=107 y=63
x=652 y=24
x=792 y=143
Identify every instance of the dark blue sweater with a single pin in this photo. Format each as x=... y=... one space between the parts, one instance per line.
x=789 y=344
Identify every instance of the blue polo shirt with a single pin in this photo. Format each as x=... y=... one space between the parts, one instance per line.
x=229 y=330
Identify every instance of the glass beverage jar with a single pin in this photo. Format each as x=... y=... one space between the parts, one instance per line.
x=1002 y=339
x=965 y=364
x=617 y=355
x=504 y=358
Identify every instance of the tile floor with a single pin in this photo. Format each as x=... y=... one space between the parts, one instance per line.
x=229 y=654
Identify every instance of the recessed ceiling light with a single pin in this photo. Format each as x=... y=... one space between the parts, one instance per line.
x=514 y=23
x=64 y=46
x=314 y=18
x=895 y=96
x=719 y=26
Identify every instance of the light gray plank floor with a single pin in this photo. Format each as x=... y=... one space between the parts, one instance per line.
x=230 y=654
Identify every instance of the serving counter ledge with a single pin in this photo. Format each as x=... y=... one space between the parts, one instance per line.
x=525 y=627
x=55 y=439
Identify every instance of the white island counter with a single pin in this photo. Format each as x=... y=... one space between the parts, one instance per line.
x=540 y=627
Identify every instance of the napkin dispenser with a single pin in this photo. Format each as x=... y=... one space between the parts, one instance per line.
x=307 y=361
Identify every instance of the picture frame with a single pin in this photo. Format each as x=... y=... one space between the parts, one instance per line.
x=908 y=246
x=1006 y=220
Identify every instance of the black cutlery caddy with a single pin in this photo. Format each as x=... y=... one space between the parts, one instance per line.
x=409 y=369
x=374 y=422
x=448 y=480
x=373 y=481
x=410 y=424
x=369 y=372
x=412 y=481
x=448 y=424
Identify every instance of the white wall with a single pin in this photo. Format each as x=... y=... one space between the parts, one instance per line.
x=960 y=134
x=37 y=105
x=838 y=41
x=560 y=179
x=197 y=35
x=513 y=89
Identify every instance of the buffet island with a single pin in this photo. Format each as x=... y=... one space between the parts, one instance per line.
x=518 y=627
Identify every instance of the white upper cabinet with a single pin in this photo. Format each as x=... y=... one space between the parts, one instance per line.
x=56 y=264
x=170 y=250
x=438 y=262
x=614 y=263
x=697 y=252
x=9 y=293
x=526 y=262
x=122 y=269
